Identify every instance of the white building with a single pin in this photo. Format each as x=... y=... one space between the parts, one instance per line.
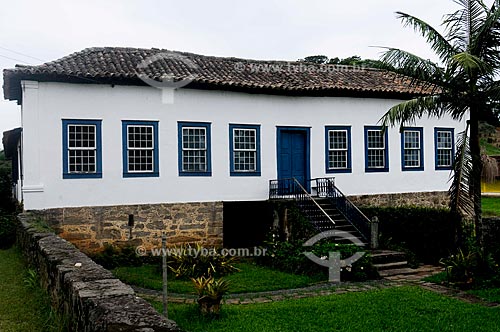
x=95 y=135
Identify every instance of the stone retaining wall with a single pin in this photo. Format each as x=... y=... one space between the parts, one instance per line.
x=89 y=296
x=436 y=199
x=491 y=233
x=91 y=228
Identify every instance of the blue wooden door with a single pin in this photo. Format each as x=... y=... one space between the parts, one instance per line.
x=292 y=161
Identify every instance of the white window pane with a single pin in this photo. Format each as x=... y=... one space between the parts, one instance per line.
x=81 y=148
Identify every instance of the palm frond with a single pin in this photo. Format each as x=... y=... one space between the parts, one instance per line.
x=421 y=71
x=492 y=90
x=465 y=23
x=461 y=196
x=438 y=43
x=485 y=43
x=406 y=112
x=471 y=64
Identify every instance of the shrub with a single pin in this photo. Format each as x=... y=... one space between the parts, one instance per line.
x=471 y=269
x=113 y=256
x=428 y=233
x=288 y=256
x=192 y=262
x=7 y=229
x=210 y=292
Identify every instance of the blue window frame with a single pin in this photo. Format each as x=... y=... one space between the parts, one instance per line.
x=140 y=148
x=444 y=145
x=412 y=149
x=338 y=149
x=82 y=152
x=194 y=149
x=244 y=150
x=376 y=149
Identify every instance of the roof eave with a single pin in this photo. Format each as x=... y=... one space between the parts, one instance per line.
x=13 y=91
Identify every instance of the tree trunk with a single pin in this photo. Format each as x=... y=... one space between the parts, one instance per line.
x=477 y=167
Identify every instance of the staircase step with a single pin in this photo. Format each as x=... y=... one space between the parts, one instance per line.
x=387 y=256
x=343 y=227
x=389 y=266
x=393 y=272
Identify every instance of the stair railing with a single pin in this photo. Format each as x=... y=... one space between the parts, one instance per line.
x=349 y=211
x=293 y=189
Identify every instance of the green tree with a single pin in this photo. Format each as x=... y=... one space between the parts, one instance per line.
x=463 y=84
x=318 y=59
x=350 y=61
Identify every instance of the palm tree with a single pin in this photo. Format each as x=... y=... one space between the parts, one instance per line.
x=462 y=84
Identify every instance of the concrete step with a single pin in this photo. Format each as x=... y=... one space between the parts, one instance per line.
x=343 y=227
x=389 y=266
x=393 y=272
x=387 y=256
x=420 y=271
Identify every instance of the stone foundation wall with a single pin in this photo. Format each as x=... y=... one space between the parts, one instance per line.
x=88 y=295
x=437 y=199
x=491 y=233
x=91 y=228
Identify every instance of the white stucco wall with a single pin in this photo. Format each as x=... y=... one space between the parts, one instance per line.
x=46 y=104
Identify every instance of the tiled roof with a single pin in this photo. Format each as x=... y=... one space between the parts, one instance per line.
x=113 y=65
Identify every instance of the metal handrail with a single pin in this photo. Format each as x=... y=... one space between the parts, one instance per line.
x=289 y=189
x=360 y=222
x=314 y=201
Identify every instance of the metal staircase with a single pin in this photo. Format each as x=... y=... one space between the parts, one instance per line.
x=325 y=206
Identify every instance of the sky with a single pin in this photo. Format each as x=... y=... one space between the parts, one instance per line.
x=33 y=32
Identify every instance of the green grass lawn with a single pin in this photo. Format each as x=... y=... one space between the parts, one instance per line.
x=489 y=294
x=394 y=309
x=21 y=308
x=251 y=278
x=491 y=206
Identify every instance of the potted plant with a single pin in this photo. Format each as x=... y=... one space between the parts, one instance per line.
x=210 y=292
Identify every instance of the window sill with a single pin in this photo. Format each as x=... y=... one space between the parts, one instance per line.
x=415 y=169
x=82 y=175
x=376 y=170
x=195 y=173
x=244 y=174
x=333 y=171
x=141 y=175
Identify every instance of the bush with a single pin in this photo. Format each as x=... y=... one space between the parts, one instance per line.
x=194 y=262
x=428 y=233
x=288 y=256
x=113 y=256
x=7 y=229
x=471 y=269
x=7 y=205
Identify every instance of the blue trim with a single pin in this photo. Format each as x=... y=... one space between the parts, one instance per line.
x=386 y=140
x=307 y=132
x=421 y=139
x=66 y=173
x=444 y=168
x=205 y=125
x=257 y=171
x=156 y=158
x=327 y=150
